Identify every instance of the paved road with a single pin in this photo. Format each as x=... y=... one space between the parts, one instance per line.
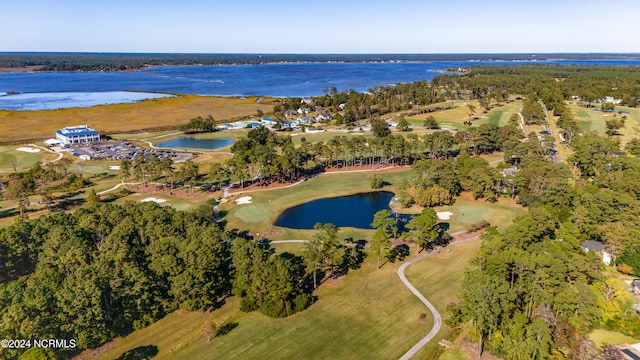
x=547 y=128
x=437 y=319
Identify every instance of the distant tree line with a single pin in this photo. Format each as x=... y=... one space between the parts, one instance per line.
x=128 y=61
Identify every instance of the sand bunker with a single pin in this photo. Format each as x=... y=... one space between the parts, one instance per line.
x=243 y=200
x=444 y=215
x=156 y=200
x=114 y=167
x=28 y=149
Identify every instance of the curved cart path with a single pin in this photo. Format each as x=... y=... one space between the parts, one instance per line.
x=437 y=319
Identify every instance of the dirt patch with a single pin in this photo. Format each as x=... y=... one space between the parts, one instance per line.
x=468 y=235
x=452 y=300
x=470 y=350
x=266 y=233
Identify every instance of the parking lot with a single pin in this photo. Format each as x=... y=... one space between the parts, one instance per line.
x=110 y=150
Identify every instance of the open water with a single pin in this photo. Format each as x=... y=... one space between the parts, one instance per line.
x=280 y=79
x=190 y=142
x=345 y=211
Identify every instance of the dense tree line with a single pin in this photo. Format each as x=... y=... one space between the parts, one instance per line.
x=106 y=270
x=533 y=292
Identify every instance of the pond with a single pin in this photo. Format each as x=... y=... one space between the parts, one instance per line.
x=344 y=211
x=195 y=143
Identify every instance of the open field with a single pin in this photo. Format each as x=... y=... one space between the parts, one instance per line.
x=23 y=161
x=367 y=314
x=17 y=126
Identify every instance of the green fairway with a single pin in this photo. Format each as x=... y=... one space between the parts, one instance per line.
x=589 y=119
x=23 y=161
x=467 y=211
x=459 y=113
x=171 y=332
x=438 y=278
x=253 y=213
x=592 y=120
x=324 y=136
x=453 y=117
x=501 y=114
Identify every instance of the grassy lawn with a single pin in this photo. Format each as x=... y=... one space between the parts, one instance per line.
x=171 y=332
x=439 y=278
x=149 y=114
x=22 y=160
x=603 y=337
x=453 y=353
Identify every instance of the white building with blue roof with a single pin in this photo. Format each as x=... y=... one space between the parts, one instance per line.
x=76 y=135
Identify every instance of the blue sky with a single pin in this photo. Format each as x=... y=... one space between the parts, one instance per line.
x=328 y=26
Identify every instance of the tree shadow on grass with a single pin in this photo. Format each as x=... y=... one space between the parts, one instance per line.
x=140 y=353
x=226 y=328
x=398 y=253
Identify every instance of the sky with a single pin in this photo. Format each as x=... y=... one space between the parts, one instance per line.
x=326 y=26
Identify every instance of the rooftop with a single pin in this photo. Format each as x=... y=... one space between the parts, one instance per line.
x=76 y=129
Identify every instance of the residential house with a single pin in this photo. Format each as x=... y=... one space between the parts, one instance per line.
x=323 y=117
x=291 y=113
x=610 y=99
x=305 y=120
x=509 y=171
x=598 y=248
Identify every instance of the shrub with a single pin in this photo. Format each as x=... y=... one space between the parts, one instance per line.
x=377 y=182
